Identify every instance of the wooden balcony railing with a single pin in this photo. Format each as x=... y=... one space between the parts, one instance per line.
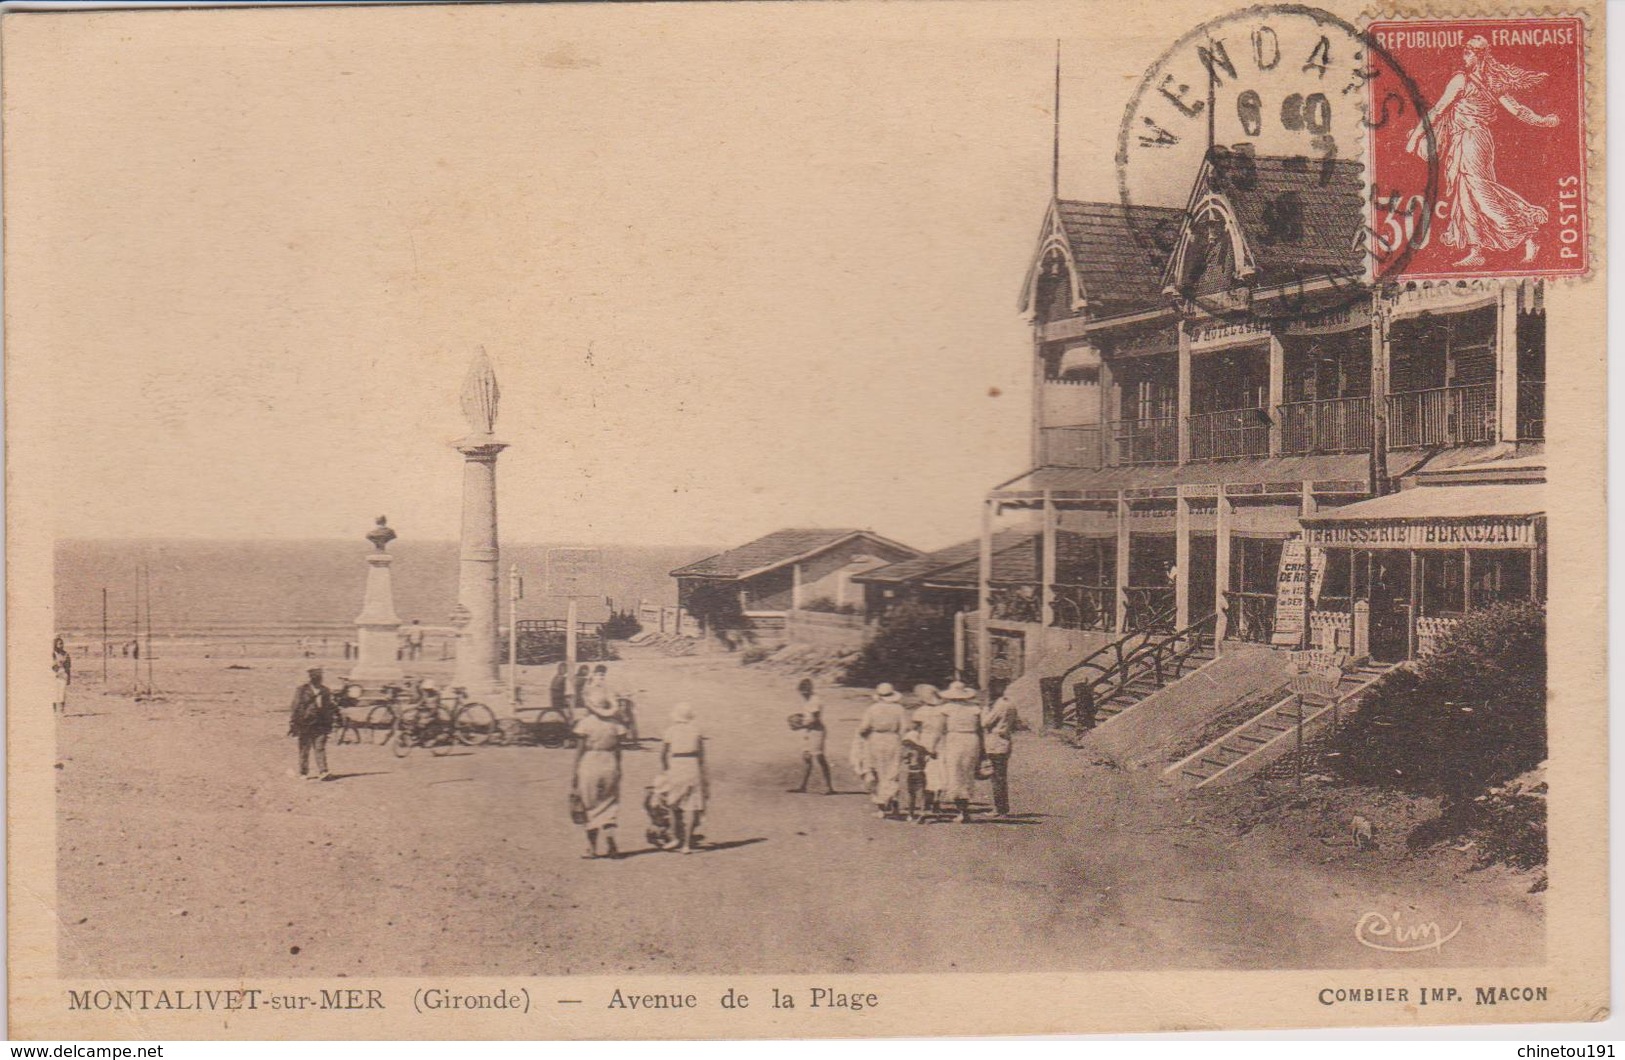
x=1457 y=415
x=1085 y=607
x=1149 y=607
x=1152 y=441
x=1070 y=446
x=1252 y=616
x=1015 y=603
x=1234 y=432
x=1531 y=409
x=1342 y=425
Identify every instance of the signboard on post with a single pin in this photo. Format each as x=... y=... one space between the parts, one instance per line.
x=1297 y=583
x=573 y=573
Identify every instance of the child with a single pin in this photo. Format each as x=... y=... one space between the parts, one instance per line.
x=915 y=757
x=659 y=833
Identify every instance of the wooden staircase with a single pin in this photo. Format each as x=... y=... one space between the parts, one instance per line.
x=1121 y=674
x=1273 y=731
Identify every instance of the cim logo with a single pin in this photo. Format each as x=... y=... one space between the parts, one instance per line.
x=1388 y=934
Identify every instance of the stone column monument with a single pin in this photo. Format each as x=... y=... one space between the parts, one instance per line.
x=378 y=628
x=476 y=616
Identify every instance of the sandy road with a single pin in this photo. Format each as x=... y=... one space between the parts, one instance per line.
x=186 y=849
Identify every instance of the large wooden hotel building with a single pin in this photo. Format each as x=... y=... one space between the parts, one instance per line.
x=1242 y=435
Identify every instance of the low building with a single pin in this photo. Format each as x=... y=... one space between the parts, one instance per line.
x=756 y=586
x=947 y=578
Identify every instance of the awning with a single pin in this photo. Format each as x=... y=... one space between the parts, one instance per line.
x=1471 y=516
x=1340 y=473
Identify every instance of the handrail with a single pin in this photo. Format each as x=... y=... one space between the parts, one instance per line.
x=1111 y=646
x=1151 y=652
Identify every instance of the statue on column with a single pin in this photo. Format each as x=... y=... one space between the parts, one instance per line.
x=476 y=616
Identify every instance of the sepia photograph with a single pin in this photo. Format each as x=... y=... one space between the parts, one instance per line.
x=749 y=521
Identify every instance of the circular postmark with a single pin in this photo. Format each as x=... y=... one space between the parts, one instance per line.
x=1245 y=172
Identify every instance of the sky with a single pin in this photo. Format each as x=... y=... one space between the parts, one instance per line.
x=734 y=274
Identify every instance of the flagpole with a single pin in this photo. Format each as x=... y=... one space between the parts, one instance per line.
x=1212 y=108
x=1055 y=144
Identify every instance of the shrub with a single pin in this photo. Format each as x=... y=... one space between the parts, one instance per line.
x=716 y=605
x=1510 y=826
x=1467 y=717
x=914 y=644
x=754 y=654
x=622 y=625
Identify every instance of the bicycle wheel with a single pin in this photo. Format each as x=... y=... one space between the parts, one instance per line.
x=403 y=739
x=440 y=734
x=345 y=731
x=380 y=724
x=475 y=724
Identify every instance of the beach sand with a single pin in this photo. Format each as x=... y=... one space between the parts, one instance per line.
x=186 y=848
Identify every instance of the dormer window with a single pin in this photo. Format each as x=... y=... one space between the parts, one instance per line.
x=1054 y=290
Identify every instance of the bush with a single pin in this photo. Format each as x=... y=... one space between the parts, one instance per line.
x=622 y=625
x=754 y=654
x=1510 y=826
x=1467 y=717
x=716 y=605
x=914 y=644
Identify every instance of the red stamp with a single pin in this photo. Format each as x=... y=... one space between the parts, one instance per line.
x=1504 y=137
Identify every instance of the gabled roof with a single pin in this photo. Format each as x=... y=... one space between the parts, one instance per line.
x=1290 y=218
x=1112 y=264
x=1015 y=560
x=775 y=550
x=923 y=567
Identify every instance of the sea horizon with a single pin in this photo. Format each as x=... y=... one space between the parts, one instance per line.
x=291 y=586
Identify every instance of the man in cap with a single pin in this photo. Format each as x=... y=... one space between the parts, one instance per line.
x=312 y=718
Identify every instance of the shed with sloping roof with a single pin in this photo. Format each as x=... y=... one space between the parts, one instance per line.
x=756 y=584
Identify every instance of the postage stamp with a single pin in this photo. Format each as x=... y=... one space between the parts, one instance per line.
x=1505 y=127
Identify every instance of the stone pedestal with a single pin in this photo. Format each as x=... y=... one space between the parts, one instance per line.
x=478 y=656
x=378 y=628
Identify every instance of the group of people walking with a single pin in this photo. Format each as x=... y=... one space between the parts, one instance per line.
x=674 y=800
x=918 y=760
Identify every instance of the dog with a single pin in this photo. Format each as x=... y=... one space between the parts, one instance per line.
x=1360 y=833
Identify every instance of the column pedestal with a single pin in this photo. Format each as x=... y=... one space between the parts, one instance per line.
x=378 y=628
x=478 y=666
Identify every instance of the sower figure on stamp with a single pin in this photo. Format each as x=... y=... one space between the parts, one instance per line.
x=312 y=718
x=1484 y=213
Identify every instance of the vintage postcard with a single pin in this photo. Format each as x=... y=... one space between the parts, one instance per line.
x=804 y=520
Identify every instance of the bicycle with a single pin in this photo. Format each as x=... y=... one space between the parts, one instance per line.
x=473 y=724
x=422 y=721
x=345 y=729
